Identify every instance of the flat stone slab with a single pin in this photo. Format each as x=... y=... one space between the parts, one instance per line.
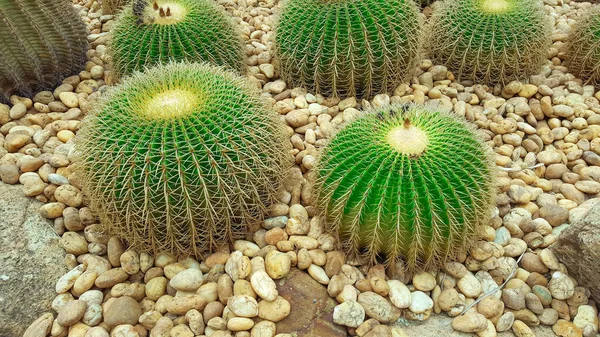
x=31 y=261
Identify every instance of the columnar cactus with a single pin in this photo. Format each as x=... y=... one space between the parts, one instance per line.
x=150 y=32
x=348 y=47
x=583 y=47
x=41 y=42
x=181 y=158
x=406 y=182
x=491 y=41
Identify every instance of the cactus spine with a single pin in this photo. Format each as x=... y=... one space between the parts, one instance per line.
x=42 y=42
x=406 y=182
x=181 y=158
x=348 y=47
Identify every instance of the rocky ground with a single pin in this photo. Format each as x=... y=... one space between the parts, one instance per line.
x=287 y=279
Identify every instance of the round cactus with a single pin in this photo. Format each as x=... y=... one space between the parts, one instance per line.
x=491 y=41
x=348 y=47
x=181 y=158
x=42 y=42
x=149 y=32
x=583 y=48
x=406 y=182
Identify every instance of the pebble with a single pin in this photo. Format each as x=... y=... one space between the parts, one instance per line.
x=274 y=311
x=420 y=302
x=69 y=195
x=505 y=321
x=561 y=286
x=277 y=264
x=239 y=324
x=565 y=328
x=243 y=306
x=586 y=315
x=71 y=313
x=349 y=313
x=469 y=322
x=40 y=327
x=376 y=306
x=187 y=280
x=67 y=281
x=123 y=310
x=156 y=287
x=399 y=294
x=263 y=285
x=318 y=273
x=69 y=99
x=448 y=298
x=57 y=179
x=469 y=286
x=424 y=281
x=522 y=330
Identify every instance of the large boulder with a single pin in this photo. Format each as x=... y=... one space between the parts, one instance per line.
x=578 y=247
x=311 y=307
x=31 y=261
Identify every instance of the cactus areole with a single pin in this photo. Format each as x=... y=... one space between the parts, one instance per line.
x=406 y=182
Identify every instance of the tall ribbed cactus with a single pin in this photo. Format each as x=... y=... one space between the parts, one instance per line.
x=41 y=42
x=583 y=47
x=406 y=182
x=490 y=41
x=348 y=47
x=181 y=158
x=150 y=32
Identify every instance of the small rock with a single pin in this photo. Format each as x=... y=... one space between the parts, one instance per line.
x=274 y=311
x=586 y=315
x=470 y=286
x=566 y=329
x=123 y=310
x=420 y=302
x=243 y=306
x=40 y=327
x=277 y=264
x=264 y=286
x=561 y=286
x=349 y=313
x=187 y=280
x=71 y=313
x=505 y=321
x=69 y=195
x=448 y=299
x=470 y=322
x=69 y=99
x=424 y=281
x=239 y=324
x=376 y=306
x=522 y=330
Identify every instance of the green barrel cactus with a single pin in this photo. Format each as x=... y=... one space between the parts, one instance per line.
x=348 y=47
x=490 y=41
x=181 y=158
x=41 y=42
x=149 y=32
x=583 y=47
x=406 y=182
